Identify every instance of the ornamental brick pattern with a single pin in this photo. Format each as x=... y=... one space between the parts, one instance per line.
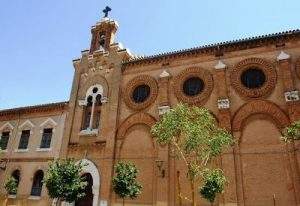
x=199 y=99
x=265 y=66
x=259 y=107
x=137 y=81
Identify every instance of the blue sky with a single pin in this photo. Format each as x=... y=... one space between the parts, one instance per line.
x=39 y=39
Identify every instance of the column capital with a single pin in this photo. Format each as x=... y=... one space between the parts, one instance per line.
x=283 y=56
x=164 y=74
x=220 y=65
x=223 y=103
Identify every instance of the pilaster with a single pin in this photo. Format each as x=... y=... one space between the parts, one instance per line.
x=291 y=95
x=224 y=117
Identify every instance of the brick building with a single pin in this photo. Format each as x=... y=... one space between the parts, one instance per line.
x=250 y=85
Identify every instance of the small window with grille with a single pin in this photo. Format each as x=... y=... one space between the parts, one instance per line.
x=46 y=138
x=4 y=140
x=23 y=144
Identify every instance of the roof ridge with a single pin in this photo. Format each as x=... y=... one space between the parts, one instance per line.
x=34 y=106
x=207 y=46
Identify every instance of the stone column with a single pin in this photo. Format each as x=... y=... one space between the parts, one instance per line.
x=162 y=161
x=292 y=103
x=224 y=117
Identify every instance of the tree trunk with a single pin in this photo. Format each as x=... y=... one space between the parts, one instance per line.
x=179 y=189
x=123 y=201
x=193 y=192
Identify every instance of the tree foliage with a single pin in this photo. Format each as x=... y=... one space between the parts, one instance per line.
x=11 y=185
x=292 y=132
x=194 y=137
x=124 y=182
x=214 y=183
x=63 y=180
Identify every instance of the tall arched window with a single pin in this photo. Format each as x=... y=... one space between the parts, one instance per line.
x=16 y=176
x=92 y=108
x=37 y=183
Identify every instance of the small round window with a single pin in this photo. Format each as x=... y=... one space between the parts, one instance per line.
x=141 y=93
x=193 y=86
x=253 y=78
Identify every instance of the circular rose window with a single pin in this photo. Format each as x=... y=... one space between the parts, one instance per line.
x=193 y=86
x=253 y=78
x=140 y=92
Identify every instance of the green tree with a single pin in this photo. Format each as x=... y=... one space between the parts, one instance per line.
x=194 y=137
x=11 y=186
x=124 y=182
x=64 y=181
x=292 y=132
x=214 y=183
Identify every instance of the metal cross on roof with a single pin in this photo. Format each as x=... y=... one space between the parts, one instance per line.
x=106 y=10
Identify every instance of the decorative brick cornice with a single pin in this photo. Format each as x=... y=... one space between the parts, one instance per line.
x=265 y=66
x=59 y=106
x=213 y=49
x=259 y=107
x=199 y=99
x=132 y=84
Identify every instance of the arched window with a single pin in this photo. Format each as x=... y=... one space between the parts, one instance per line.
x=16 y=176
x=92 y=110
x=37 y=183
x=102 y=41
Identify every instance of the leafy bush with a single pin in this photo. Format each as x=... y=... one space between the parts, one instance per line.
x=214 y=182
x=124 y=182
x=292 y=132
x=11 y=186
x=63 y=180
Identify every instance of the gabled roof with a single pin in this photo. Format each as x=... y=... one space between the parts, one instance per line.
x=239 y=44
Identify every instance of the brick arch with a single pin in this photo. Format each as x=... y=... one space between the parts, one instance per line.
x=259 y=107
x=137 y=118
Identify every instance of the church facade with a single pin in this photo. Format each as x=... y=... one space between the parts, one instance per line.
x=250 y=85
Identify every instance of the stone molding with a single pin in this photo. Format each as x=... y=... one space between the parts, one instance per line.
x=265 y=66
x=259 y=107
x=292 y=96
x=203 y=74
x=223 y=103
x=163 y=109
x=132 y=84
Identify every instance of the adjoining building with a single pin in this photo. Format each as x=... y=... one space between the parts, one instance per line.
x=250 y=85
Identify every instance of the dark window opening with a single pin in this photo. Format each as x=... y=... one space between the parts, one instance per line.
x=193 y=86
x=89 y=101
x=46 y=138
x=141 y=93
x=4 y=140
x=102 y=40
x=16 y=176
x=95 y=90
x=98 y=100
x=253 y=78
x=23 y=144
x=37 y=184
